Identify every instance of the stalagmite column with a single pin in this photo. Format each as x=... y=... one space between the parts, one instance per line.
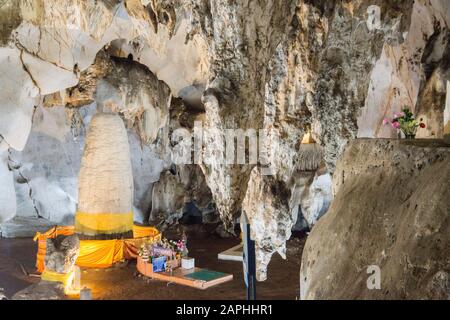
x=105 y=183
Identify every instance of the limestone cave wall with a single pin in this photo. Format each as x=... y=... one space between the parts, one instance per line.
x=333 y=69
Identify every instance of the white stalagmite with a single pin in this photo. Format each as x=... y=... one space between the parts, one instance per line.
x=105 y=183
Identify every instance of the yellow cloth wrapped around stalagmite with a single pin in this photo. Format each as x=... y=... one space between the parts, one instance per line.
x=105 y=199
x=104 y=223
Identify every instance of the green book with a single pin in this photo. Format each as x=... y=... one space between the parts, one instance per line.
x=205 y=275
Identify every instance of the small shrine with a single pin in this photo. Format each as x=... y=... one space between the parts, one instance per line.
x=168 y=260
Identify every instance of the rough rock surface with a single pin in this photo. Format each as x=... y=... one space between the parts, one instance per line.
x=106 y=188
x=391 y=209
x=342 y=79
x=61 y=253
x=130 y=89
x=43 y=290
x=411 y=73
x=273 y=208
x=24 y=227
x=333 y=67
x=231 y=101
x=287 y=167
x=316 y=197
x=175 y=188
x=60 y=257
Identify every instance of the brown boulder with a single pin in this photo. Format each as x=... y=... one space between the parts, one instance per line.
x=391 y=210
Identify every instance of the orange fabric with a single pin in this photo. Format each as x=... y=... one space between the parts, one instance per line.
x=130 y=250
x=65 y=278
x=97 y=253
x=131 y=246
x=144 y=231
x=100 y=253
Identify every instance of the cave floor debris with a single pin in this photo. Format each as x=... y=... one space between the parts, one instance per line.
x=122 y=282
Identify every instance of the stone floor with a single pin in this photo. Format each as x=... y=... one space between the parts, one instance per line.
x=17 y=258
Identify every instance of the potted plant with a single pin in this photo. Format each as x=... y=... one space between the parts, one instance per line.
x=405 y=122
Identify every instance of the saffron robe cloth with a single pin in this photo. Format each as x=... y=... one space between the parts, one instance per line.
x=98 y=253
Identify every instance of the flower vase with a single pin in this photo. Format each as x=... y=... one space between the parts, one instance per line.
x=409 y=135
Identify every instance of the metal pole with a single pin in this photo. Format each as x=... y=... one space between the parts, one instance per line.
x=249 y=261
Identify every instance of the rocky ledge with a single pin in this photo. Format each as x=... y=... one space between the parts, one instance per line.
x=390 y=218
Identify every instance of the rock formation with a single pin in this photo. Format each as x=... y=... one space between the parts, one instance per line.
x=283 y=68
x=105 y=183
x=390 y=210
x=176 y=188
x=61 y=254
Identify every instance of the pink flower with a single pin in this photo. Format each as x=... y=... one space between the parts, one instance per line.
x=386 y=121
x=398 y=114
x=395 y=125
